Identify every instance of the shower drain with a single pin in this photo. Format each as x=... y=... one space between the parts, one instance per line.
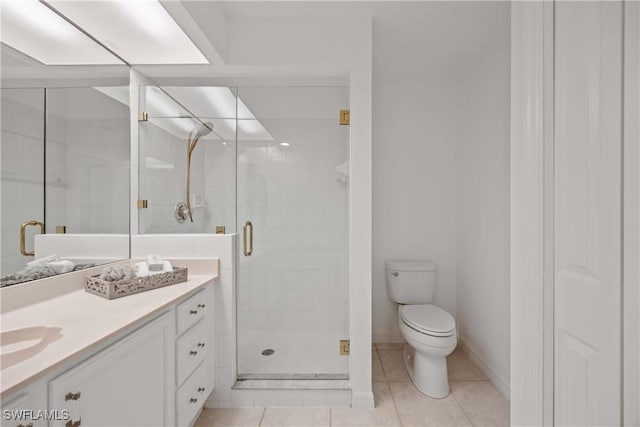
x=268 y=352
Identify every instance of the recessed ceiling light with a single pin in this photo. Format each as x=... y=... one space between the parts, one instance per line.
x=285 y=144
x=35 y=30
x=140 y=31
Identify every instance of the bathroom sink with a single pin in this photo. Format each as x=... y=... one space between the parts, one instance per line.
x=18 y=345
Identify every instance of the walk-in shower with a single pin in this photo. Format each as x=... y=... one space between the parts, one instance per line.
x=277 y=158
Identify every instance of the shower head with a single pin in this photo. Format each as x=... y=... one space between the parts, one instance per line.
x=201 y=129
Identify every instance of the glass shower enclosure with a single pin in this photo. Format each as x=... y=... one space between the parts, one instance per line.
x=275 y=169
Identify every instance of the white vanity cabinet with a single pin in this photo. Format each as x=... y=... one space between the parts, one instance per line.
x=157 y=371
x=129 y=383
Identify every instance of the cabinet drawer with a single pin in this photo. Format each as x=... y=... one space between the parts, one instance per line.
x=192 y=310
x=191 y=350
x=192 y=395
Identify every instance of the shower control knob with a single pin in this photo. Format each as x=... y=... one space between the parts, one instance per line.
x=200 y=305
x=200 y=389
x=193 y=400
x=395 y=274
x=193 y=312
x=193 y=353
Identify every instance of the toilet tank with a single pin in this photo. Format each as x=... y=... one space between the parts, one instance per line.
x=411 y=282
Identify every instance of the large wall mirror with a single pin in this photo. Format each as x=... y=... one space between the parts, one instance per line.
x=65 y=150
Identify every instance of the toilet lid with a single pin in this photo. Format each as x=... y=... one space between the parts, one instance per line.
x=429 y=319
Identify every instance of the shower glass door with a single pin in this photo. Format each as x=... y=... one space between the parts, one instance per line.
x=293 y=202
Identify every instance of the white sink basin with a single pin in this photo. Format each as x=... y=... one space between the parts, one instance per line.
x=20 y=344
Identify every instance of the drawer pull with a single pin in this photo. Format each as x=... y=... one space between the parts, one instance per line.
x=193 y=352
x=201 y=389
x=200 y=344
x=193 y=312
x=28 y=425
x=73 y=424
x=72 y=396
x=193 y=400
x=201 y=305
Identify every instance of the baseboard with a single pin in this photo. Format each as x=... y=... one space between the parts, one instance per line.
x=388 y=338
x=498 y=380
x=362 y=400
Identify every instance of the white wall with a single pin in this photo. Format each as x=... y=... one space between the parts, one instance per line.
x=441 y=167
x=414 y=173
x=483 y=185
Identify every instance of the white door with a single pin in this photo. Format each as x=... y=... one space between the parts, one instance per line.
x=588 y=208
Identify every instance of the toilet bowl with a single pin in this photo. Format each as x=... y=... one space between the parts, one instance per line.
x=426 y=351
x=430 y=331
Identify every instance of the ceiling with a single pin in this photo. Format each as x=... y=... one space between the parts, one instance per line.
x=441 y=29
x=448 y=27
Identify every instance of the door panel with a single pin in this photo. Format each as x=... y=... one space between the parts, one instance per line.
x=588 y=71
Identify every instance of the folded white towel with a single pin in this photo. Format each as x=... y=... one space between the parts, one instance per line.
x=44 y=260
x=166 y=266
x=63 y=266
x=140 y=268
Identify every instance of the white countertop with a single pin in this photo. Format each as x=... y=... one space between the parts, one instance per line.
x=84 y=321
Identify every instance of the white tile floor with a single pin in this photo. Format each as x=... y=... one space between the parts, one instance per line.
x=473 y=401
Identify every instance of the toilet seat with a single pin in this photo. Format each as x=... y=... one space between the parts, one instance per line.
x=428 y=319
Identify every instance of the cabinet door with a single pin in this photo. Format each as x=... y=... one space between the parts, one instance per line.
x=125 y=384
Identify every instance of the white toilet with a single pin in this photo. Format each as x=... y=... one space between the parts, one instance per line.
x=429 y=330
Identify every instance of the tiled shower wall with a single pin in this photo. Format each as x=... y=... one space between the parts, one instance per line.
x=87 y=162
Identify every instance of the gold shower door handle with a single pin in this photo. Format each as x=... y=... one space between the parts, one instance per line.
x=23 y=229
x=247 y=225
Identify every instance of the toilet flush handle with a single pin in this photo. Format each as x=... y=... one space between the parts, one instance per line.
x=395 y=273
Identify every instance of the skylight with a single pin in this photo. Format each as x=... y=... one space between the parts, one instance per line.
x=139 y=31
x=36 y=31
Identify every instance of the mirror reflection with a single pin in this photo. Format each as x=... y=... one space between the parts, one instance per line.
x=64 y=166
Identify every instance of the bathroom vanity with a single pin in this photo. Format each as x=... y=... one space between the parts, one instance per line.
x=78 y=359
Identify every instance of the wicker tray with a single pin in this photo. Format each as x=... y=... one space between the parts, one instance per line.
x=121 y=288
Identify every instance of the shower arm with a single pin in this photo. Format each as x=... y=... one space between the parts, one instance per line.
x=191 y=145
